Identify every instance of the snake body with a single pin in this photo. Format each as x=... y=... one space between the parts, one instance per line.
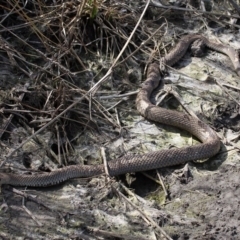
x=133 y=163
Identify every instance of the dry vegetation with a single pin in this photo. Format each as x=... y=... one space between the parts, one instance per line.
x=61 y=64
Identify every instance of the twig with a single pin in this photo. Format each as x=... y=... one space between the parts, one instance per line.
x=159 y=5
x=150 y=177
x=119 y=95
x=142 y=44
x=162 y=184
x=9 y=120
x=109 y=72
x=230 y=86
x=92 y=90
x=114 y=234
x=181 y=101
x=58 y=145
x=32 y=216
x=144 y=215
x=34 y=198
x=105 y=161
x=235 y=5
x=226 y=91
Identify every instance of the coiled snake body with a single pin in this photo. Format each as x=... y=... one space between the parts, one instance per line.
x=133 y=163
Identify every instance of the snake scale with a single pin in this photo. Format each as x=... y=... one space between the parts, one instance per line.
x=133 y=163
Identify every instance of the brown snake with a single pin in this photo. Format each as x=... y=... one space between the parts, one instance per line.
x=133 y=163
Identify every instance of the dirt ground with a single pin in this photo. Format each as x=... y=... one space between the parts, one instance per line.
x=201 y=200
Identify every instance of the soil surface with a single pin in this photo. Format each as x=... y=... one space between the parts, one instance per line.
x=200 y=200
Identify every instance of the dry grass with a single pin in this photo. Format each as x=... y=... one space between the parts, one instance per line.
x=63 y=48
x=51 y=54
x=46 y=40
